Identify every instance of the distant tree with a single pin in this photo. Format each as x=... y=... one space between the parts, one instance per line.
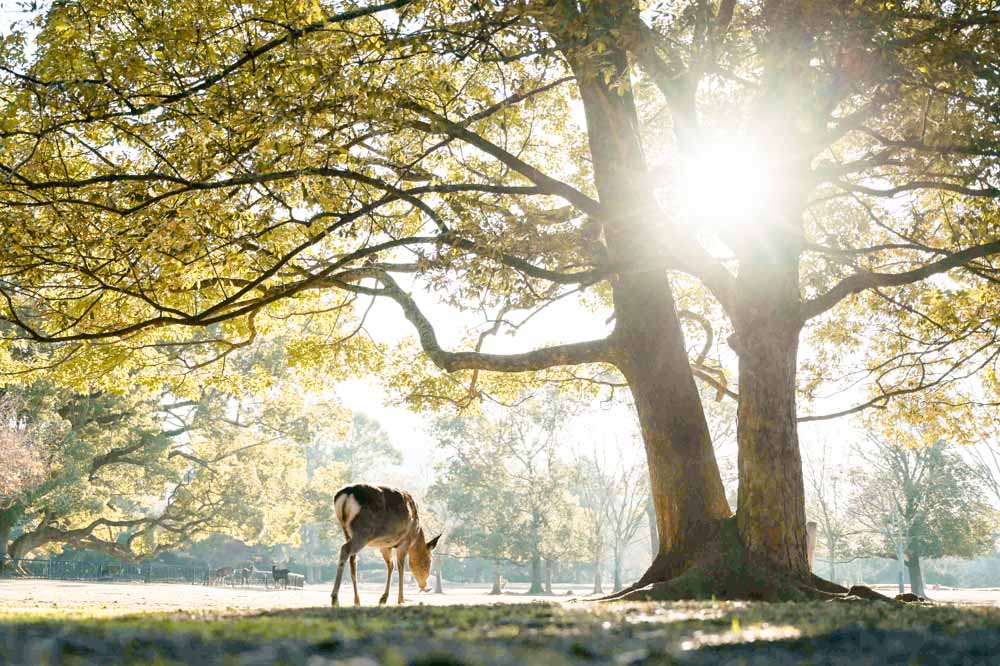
x=480 y=492
x=592 y=494
x=914 y=502
x=364 y=447
x=615 y=495
x=23 y=448
x=514 y=455
x=136 y=472
x=985 y=460
x=827 y=499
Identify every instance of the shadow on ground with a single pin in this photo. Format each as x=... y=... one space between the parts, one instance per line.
x=540 y=633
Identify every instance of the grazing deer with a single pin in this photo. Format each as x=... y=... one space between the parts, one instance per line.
x=279 y=576
x=220 y=575
x=384 y=518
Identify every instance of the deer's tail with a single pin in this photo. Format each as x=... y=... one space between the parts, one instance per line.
x=346 y=508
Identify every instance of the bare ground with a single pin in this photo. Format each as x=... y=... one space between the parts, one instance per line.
x=73 y=597
x=86 y=624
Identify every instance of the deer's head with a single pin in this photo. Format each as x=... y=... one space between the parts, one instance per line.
x=420 y=559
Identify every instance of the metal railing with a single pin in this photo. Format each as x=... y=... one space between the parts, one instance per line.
x=102 y=571
x=145 y=573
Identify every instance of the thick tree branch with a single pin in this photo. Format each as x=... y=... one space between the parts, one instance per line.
x=576 y=353
x=866 y=280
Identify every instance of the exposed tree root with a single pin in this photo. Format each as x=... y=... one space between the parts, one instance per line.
x=721 y=569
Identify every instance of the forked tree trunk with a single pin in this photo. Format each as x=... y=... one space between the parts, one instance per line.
x=701 y=553
x=916 y=575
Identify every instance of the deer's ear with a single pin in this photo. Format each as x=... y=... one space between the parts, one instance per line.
x=433 y=542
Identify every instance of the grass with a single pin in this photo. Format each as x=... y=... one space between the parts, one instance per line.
x=545 y=634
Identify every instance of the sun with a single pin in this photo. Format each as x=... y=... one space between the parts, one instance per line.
x=727 y=182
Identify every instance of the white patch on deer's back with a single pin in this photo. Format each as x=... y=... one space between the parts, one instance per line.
x=346 y=508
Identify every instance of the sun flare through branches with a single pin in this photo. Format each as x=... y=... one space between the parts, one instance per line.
x=727 y=181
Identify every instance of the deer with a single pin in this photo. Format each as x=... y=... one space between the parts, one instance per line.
x=279 y=576
x=384 y=518
x=219 y=575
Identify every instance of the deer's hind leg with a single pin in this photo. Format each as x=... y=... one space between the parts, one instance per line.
x=354 y=579
x=387 y=556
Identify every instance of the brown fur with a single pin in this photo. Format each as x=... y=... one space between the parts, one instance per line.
x=384 y=518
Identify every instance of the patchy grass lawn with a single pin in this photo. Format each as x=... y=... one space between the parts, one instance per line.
x=540 y=633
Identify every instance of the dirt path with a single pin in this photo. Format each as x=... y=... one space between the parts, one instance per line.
x=21 y=596
x=72 y=597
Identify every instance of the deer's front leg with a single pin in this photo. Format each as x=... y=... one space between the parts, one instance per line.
x=345 y=553
x=400 y=561
x=387 y=556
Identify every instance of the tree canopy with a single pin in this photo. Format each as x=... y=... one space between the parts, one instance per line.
x=183 y=178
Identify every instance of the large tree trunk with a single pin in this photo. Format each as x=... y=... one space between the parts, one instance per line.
x=701 y=553
x=598 y=586
x=548 y=576
x=916 y=575
x=685 y=483
x=771 y=514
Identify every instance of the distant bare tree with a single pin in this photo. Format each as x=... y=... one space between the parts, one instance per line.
x=920 y=501
x=985 y=460
x=615 y=496
x=827 y=498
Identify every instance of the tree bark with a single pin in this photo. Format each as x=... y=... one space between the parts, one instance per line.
x=598 y=586
x=496 y=578
x=916 y=575
x=771 y=513
x=685 y=483
x=536 y=574
x=548 y=576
